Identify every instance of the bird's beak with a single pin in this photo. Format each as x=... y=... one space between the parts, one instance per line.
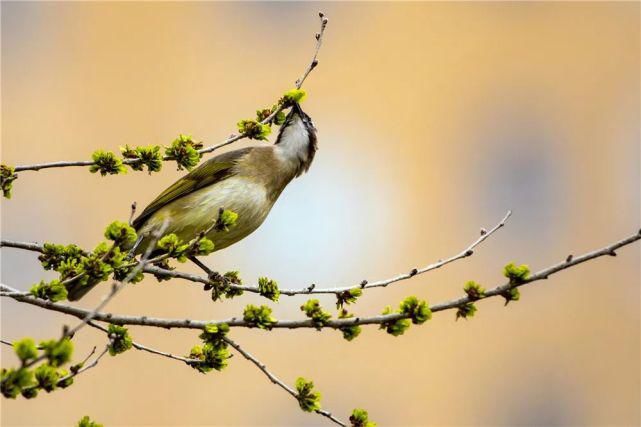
x=296 y=108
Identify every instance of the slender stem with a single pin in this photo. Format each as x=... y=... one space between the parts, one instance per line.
x=89 y=366
x=84 y=368
x=142 y=347
x=467 y=252
x=319 y=42
x=274 y=379
x=231 y=139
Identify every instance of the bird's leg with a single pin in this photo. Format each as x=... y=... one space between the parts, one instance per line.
x=211 y=274
x=132 y=251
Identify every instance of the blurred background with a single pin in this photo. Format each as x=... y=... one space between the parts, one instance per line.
x=434 y=119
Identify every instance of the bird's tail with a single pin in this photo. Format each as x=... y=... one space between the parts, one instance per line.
x=77 y=290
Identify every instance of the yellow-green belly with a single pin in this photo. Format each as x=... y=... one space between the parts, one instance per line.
x=197 y=211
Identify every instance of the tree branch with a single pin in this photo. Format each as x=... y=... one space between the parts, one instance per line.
x=83 y=366
x=142 y=347
x=293 y=324
x=86 y=367
x=468 y=251
x=263 y=368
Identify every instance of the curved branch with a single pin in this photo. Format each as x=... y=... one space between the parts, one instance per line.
x=468 y=251
x=263 y=368
x=231 y=139
x=293 y=324
x=319 y=43
x=142 y=347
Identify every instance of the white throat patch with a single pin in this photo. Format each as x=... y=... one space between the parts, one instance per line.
x=294 y=142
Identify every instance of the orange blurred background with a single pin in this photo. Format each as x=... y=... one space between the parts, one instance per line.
x=434 y=119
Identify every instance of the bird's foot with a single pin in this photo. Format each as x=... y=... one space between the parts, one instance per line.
x=214 y=279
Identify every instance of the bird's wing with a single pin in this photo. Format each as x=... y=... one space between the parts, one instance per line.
x=208 y=173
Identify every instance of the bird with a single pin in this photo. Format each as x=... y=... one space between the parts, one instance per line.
x=247 y=181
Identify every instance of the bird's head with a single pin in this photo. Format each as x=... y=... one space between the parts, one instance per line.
x=297 y=138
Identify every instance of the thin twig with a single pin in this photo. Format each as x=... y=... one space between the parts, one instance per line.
x=274 y=379
x=231 y=139
x=292 y=324
x=92 y=364
x=319 y=43
x=86 y=367
x=142 y=347
x=91 y=353
x=468 y=251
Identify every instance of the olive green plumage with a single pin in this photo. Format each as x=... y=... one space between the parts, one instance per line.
x=247 y=181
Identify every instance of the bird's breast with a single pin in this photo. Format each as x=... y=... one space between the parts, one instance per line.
x=195 y=212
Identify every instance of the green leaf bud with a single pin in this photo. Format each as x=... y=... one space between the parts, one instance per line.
x=106 y=163
x=226 y=220
x=308 y=399
x=360 y=418
x=184 y=151
x=511 y=294
x=123 y=272
x=263 y=114
x=221 y=286
x=210 y=357
x=25 y=349
x=213 y=333
x=278 y=119
x=260 y=317
x=473 y=290
x=54 y=255
x=394 y=327
x=13 y=381
x=268 y=288
x=120 y=340
x=204 y=247
x=466 y=310
x=253 y=129
x=122 y=234
x=47 y=377
x=174 y=247
x=53 y=291
x=314 y=311
x=149 y=156
x=293 y=96
x=214 y=353
x=65 y=379
x=418 y=310
x=7 y=176
x=29 y=392
x=348 y=297
x=95 y=268
x=86 y=422
x=516 y=274
x=349 y=332
x=58 y=352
